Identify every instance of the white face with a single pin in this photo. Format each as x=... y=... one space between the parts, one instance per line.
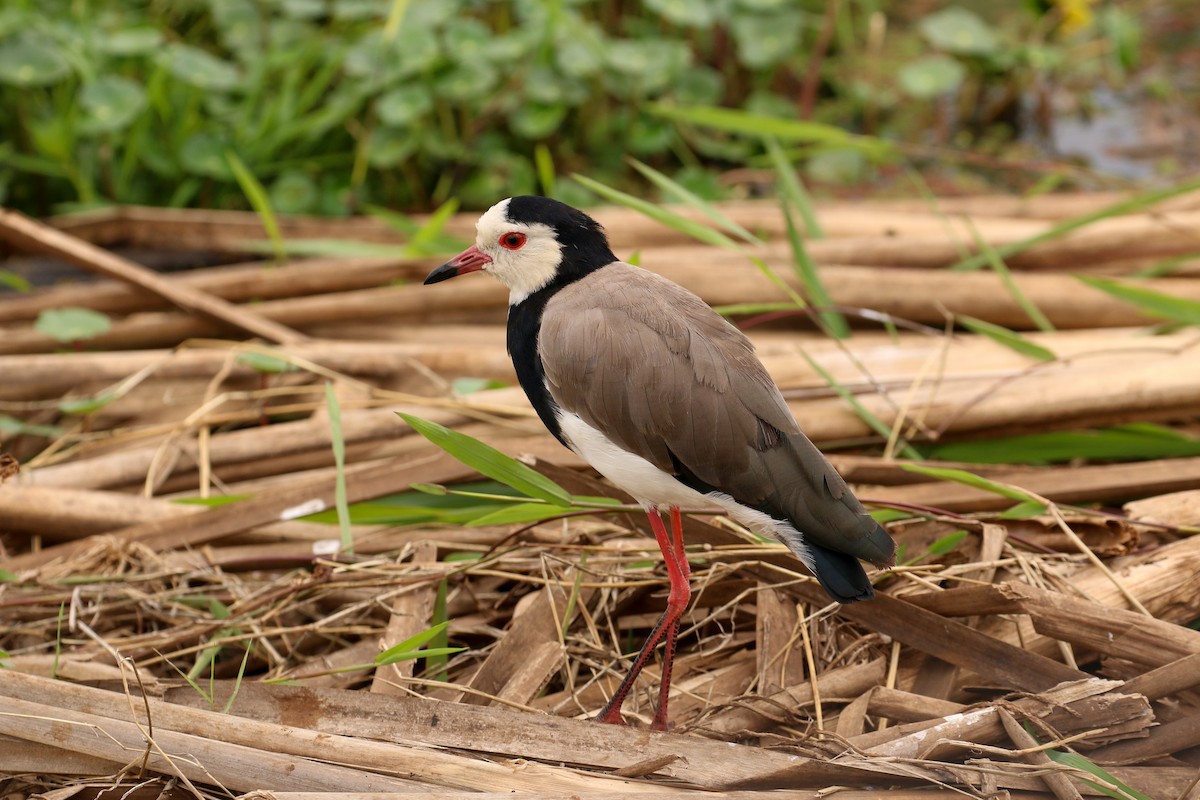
x=525 y=256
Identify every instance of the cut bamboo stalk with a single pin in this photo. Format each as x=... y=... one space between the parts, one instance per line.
x=283 y=751
x=411 y=613
x=236 y=283
x=195 y=757
x=496 y=729
x=25 y=233
x=363 y=481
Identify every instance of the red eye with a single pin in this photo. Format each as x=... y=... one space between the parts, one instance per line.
x=512 y=240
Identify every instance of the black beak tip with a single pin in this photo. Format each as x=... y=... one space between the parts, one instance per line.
x=443 y=273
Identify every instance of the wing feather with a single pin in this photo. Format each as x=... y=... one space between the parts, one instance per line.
x=668 y=379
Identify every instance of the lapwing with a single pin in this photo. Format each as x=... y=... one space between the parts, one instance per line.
x=665 y=399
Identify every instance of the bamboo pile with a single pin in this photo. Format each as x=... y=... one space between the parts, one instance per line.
x=1023 y=656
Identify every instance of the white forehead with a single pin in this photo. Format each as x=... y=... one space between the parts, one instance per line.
x=495 y=221
x=494 y=218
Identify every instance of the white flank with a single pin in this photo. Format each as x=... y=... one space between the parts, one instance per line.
x=652 y=487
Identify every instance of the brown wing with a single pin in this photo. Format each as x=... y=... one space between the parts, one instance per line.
x=668 y=379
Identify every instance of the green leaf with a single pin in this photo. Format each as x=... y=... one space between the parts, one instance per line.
x=1133 y=442
x=201 y=69
x=684 y=195
x=1157 y=304
x=410 y=644
x=957 y=30
x=665 y=216
x=947 y=543
x=1122 y=790
x=83 y=406
x=465 y=386
x=14 y=281
x=15 y=426
x=404 y=106
x=259 y=201
x=931 y=77
x=794 y=198
x=760 y=126
x=1025 y=510
x=32 y=60
x=71 y=324
x=334 y=409
x=489 y=461
x=7 y=576
x=517 y=512
x=1139 y=202
x=129 y=41
x=1010 y=339
x=971 y=479
x=110 y=103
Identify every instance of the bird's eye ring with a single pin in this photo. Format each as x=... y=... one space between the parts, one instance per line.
x=512 y=240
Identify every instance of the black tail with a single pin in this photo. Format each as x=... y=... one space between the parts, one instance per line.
x=841 y=575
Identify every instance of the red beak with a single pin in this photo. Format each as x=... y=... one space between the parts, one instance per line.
x=469 y=260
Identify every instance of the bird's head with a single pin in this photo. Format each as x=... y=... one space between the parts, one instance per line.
x=529 y=243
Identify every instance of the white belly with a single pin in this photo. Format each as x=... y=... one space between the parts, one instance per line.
x=653 y=488
x=647 y=483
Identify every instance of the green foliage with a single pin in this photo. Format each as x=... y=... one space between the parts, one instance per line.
x=330 y=105
x=69 y=325
x=1010 y=339
x=1132 y=442
x=490 y=462
x=1156 y=304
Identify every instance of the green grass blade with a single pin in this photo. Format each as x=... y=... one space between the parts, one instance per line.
x=411 y=643
x=339 y=460
x=435 y=665
x=259 y=201
x=1133 y=204
x=1010 y=339
x=664 y=216
x=543 y=162
x=864 y=413
x=429 y=234
x=973 y=480
x=732 y=120
x=685 y=195
x=1156 y=304
x=1112 y=786
x=1001 y=269
x=805 y=268
x=1133 y=442
x=490 y=462
x=793 y=190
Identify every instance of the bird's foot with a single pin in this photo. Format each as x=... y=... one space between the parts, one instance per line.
x=609 y=716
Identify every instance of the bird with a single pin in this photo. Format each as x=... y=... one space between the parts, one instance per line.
x=668 y=401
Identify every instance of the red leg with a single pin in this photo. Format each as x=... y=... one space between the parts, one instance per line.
x=668 y=623
x=677 y=605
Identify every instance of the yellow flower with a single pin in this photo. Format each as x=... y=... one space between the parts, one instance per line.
x=1076 y=14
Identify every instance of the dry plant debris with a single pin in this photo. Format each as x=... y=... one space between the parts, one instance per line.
x=163 y=649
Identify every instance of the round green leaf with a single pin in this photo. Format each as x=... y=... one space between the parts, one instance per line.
x=403 y=106
x=204 y=154
x=471 y=80
x=698 y=86
x=32 y=61
x=200 y=68
x=931 y=77
x=390 y=146
x=957 y=30
x=537 y=121
x=693 y=13
x=294 y=193
x=129 y=41
x=110 y=103
x=71 y=324
x=764 y=40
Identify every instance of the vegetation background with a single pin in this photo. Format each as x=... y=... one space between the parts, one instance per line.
x=334 y=105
